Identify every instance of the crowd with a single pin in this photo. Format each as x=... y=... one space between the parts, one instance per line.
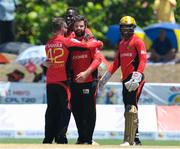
x=162 y=49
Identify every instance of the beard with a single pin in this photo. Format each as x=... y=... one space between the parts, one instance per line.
x=79 y=33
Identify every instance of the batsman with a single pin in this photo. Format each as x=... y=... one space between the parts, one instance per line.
x=131 y=56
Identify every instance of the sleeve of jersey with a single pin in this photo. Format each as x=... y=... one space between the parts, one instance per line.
x=116 y=63
x=142 y=55
x=93 y=43
x=94 y=46
x=94 y=65
x=96 y=56
x=72 y=43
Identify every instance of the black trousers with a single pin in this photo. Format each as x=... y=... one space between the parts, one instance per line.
x=7 y=31
x=83 y=104
x=57 y=114
x=132 y=98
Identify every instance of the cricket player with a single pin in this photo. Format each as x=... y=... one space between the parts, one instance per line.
x=131 y=56
x=58 y=92
x=71 y=12
x=84 y=66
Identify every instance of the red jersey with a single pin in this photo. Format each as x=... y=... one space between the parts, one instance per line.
x=72 y=34
x=57 y=53
x=131 y=56
x=82 y=60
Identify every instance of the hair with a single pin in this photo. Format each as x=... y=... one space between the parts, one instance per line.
x=57 y=23
x=79 y=18
x=73 y=9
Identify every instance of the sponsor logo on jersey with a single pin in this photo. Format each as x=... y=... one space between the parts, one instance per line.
x=80 y=56
x=85 y=91
x=126 y=54
x=129 y=47
x=143 y=52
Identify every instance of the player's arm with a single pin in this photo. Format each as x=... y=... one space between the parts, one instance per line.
x=116 y=63
x=107 y=75
x=141 y=49
x=95 y=47
x=81 y=77
x=94 y=44
x=74 y=44
x=136 y=77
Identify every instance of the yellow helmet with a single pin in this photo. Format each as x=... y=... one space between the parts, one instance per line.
x=127 y=20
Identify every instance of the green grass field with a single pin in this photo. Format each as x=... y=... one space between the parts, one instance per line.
x=100 y=141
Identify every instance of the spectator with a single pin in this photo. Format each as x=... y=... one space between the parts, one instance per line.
x=162 y=50
x=164 y=10
x=109 y=95
x=144 y=4
x=15 y=76
x=7 y=9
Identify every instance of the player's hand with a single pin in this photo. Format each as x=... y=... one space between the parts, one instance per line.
x=103 y=80
x=47 y=64
x=133 y=83
x=75 y=40
x=81 y=77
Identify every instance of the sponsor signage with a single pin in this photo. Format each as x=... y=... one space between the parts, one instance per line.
x=22 y=93
x=152 y=93
x=35 y=93
x=27 y=121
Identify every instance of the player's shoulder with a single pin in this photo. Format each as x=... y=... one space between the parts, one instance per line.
x=59 y=37
x=137 y=40
x=56 y=38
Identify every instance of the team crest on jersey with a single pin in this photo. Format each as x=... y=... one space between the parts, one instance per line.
x=129 y=47
x=85 y=91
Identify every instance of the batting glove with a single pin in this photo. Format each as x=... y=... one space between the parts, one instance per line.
x=133 y=83
x=106 y=76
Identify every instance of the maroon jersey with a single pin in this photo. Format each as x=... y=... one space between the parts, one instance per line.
x=57 y=53
x=131 y=56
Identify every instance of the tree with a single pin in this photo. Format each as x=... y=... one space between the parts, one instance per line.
x=34 y=17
